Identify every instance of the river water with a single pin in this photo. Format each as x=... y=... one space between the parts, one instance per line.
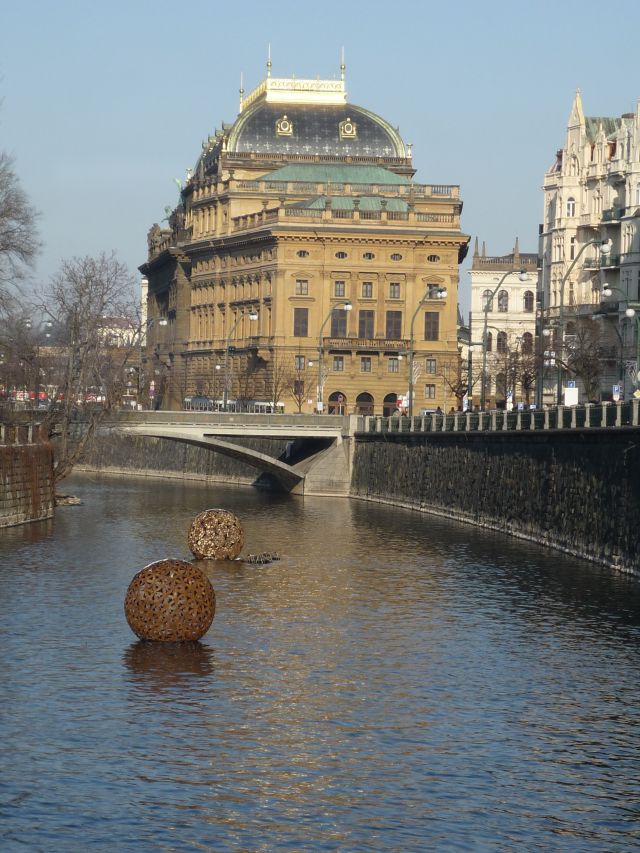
x=395 y=682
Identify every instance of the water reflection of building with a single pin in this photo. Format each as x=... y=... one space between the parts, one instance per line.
x=302 y=205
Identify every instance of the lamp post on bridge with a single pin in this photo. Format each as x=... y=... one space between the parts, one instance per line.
x=605 y=248
x=432 y=292
x=345 y=305
x=252 y=314
x=488 y=306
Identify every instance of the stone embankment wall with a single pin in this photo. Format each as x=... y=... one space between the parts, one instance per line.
x=578 y=491
x=162 y=457
x=26 y=483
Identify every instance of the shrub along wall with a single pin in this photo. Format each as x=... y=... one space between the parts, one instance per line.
x=26 y=483
x=578 y=491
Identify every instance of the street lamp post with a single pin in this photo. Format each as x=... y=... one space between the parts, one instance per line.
x=605 y=248
x=522 y=275
x=147 y=324
x=252 y=315
x=344 y=306
x=430 y=293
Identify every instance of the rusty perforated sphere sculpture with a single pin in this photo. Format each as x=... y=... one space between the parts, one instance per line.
x=216 y=534
x=170 y=601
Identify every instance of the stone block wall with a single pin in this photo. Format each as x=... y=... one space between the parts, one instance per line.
x=578 y=491
x=26 y=483
x=137 y=454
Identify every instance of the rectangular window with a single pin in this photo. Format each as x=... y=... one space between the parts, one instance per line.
x=339 y=323
x=298 y=387
x=299 y=362
x=338 y=363
x=365 y=324
x=394 y=290
x=365 y=364
x=300 y=322
x=430 y=365
x=393 y=365
x=367 y=289
x=394 y=325
x=431 y=325
x=429 y=392
x=302 y=287
x=338 y=289
x=572 y=248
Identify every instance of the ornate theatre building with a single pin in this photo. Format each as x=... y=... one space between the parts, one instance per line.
x=303 y=265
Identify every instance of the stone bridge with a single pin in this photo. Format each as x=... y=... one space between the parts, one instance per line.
x=320 y=465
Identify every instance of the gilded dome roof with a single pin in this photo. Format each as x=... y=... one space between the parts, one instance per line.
x=342 y=130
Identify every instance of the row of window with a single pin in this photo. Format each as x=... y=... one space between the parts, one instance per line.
x=366 y=289
x=393 y=364
x=502 y=343
x=528 y=301
x=368 y=256
x=366 y=324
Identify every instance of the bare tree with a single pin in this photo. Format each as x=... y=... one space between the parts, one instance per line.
x=457 y=378
x=300 y=380
x=81 y=300
x=277 y=377
x=583 y=355
x=19 y=243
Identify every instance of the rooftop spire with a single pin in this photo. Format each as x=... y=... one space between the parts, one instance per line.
x=475 y=248
x=241 y=89
x=342 y=65
x=576 y=118
x=269 y=60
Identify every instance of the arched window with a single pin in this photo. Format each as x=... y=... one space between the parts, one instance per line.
x=501 y=342
x=487 y=301
x=337 y=403
x=571 y=206
x=528 y=300
x=527 y=343
x=364 y=404
x=489 y=341
x=503 y=301
x=389 y=404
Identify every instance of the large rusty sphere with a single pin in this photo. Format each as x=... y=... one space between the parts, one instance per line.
x=171 y=601
x=216 y=534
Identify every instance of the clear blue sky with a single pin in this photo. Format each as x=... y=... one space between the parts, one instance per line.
x=104 y=104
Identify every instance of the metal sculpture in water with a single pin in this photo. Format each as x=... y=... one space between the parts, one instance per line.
x=170 y=601
x=216 y=534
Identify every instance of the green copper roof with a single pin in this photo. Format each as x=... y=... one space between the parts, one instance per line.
x=340 y=202
x=609 y=126
x=337 y=174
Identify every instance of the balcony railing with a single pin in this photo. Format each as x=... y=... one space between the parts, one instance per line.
x=610 y=261
x=369 y=344
x=612 y=214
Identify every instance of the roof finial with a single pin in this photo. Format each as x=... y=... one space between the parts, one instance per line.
x=241 y=89
x=484 y=250
x=475 y=248
x=342 y=65
x=269 y=60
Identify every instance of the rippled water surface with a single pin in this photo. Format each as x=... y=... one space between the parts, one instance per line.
x=395 y=683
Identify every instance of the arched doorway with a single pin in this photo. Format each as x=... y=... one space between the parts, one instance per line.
x=337 y=403
x=389 y=405
x=364 y=404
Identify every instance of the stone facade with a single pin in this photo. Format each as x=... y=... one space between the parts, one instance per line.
x=496 y=285
x=592 y=194
x=26 y=483
x=575 y=491
x=304 y=215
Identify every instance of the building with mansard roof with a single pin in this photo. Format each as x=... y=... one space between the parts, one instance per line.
x=304 y=262
x=592 y=194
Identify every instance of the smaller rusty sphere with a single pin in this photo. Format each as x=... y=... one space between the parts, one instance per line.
x=170 y=601
x=216 y=534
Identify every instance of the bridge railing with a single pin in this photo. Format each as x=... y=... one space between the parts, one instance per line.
x=606 y=415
